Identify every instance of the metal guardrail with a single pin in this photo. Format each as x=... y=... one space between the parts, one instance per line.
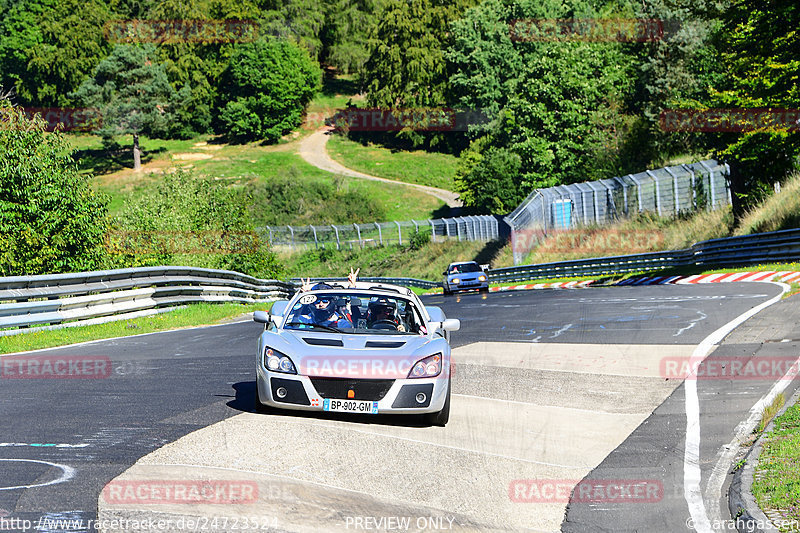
x=58 y=299
x=404 y=282
x=772 y=247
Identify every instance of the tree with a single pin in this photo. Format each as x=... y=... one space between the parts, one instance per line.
x=406 y=65
x=558 y=105
x=50 y=218
x=268 y=84
x=346 y=32
x=133 y=95
x=762 y=59
x=48 y=47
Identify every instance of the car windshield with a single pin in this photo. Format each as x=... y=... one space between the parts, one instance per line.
x=356 y=312
x=465 y=268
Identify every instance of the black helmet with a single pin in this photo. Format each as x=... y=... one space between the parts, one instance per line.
x=326 y=310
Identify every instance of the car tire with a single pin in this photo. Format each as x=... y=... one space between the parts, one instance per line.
x=447 y=292
x=484 y=289
x=442 y=417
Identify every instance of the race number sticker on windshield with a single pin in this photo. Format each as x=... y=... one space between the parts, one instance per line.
x=308 y=299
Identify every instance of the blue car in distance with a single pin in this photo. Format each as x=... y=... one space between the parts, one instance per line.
x=464 y=276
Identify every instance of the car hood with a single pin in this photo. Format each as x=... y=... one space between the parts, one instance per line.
x=353 y=356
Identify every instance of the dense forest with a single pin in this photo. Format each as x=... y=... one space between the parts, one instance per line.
x=569 y=90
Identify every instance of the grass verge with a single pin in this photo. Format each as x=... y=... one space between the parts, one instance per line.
x=410 y=166
x=777 y=478
x=191 y=315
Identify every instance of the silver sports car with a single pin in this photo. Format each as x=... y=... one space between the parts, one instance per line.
x=370 y=349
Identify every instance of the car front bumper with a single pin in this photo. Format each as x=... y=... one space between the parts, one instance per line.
x=398 y=396
x=467 y=286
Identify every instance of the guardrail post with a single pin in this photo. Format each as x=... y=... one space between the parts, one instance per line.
x=270 y=235
x=658 y=192
x=337 y=236
x=728 y=173
x=433 y=231
x=446 y=227
x=675 y=189
x=625 y=197
x=711 y=184
x=358 y=232
x=416 y=226
x=316 y=244
x=399 y=233
x=380 y=234
x=291 y=232
x=690 y=170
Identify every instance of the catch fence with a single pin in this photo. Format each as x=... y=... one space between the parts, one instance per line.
x=664 y=191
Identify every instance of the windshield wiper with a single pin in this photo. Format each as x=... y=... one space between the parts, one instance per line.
x=321 y=326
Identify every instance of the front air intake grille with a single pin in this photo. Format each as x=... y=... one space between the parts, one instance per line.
x=384 y=344
x=371 y=390
x=317 y=341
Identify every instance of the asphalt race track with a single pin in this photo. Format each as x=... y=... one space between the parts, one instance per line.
x=552 y=389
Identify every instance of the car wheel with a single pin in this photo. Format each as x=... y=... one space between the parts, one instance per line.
x=447 y=292
x=484 y=289
x=442 y=417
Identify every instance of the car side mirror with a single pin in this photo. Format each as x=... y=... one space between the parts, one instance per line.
x=451 y=324
x=262 y=317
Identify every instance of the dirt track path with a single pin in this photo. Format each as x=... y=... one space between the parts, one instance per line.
x=313 y=150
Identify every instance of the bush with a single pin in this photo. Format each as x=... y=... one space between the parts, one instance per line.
x=191 y=221
x=51 y=220
x=267 y=84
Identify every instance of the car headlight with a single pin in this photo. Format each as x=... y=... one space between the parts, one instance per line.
x=481 y=278
x=277 y=362
x=456 y=280
x=427 y=368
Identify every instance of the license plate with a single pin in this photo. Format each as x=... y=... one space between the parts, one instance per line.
x=350 y=406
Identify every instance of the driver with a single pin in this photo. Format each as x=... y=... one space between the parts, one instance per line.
x=323 y=312
x=383 y=310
